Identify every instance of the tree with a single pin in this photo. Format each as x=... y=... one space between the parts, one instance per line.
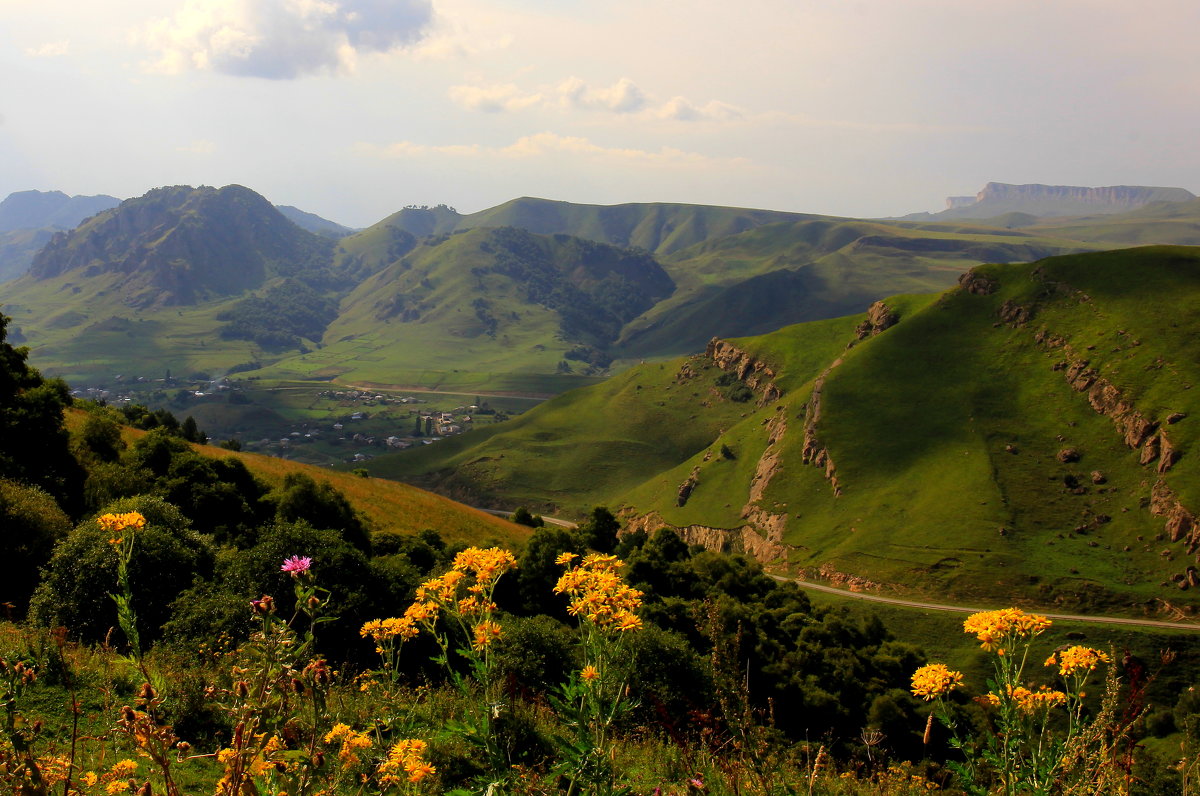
x=191 y=432
x=34 y=445
x=30 y=525
x=600 y=530
x=321 y=506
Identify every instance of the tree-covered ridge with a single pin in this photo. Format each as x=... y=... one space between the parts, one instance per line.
x=281 y=317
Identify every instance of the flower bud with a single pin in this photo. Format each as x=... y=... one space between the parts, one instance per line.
x=241 y=689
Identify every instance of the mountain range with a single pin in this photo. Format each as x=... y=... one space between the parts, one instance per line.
x=532 y=295
x=971 y=407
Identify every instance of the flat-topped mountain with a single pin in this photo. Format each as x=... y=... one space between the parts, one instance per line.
x=999 y=198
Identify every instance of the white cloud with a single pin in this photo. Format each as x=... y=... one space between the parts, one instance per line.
x=684 y=110
x=51 y=49
x=623 y=97
x=549 y=144
x=491 y=99
x=282 y=39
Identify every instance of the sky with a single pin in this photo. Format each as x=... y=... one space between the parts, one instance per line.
x=353 y=109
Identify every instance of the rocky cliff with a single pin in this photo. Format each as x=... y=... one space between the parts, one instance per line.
x=754 y=373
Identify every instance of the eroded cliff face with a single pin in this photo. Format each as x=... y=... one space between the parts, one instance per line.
x=754 y=373
x=814 y=451
x=744 y=539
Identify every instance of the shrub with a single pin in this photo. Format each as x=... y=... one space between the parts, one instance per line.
x=30 y=525
x=167 y=557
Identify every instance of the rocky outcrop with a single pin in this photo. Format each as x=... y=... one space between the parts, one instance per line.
x=813 y=451
x=879 y=317
x=1181 y=524
x=830 y=574
x=977 y=283
x=687 y=487
x=764 y=538
x=1137 y=431
x=754 y=373
x=763 y=545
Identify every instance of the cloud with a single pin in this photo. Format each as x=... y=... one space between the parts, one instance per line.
x=623 y=97
x=282 y=39
x=684 y=110
x=492 y=99
x=545 y=145
x=51 y=49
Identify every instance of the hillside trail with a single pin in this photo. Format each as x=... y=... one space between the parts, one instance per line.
x=961 y=609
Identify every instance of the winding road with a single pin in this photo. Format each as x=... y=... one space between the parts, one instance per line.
x=961 y=609
x=1160 y=624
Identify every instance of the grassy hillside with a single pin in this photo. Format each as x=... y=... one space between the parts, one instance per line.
x=780 y=274
x=387 y=505
x=945 y=433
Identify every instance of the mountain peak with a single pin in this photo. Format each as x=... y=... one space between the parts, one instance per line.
x=179 y=244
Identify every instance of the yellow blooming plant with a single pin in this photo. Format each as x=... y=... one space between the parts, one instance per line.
x=1023 y=753
x=457 y=608
x=122 y=531
x=605 y=607
x=405 y=765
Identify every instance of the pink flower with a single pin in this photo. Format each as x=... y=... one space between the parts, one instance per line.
x=296 y=565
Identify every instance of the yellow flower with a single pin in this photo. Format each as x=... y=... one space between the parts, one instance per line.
x=124 y=768
x=405 y=758
x=485 y=633
x=998 y=629
x=589 y=673
x=115 y=523
x=1074 y=660
x=89 y=779
x=565 y=559
x=935 y=680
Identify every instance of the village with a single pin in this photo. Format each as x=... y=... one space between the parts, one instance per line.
x=325 y=426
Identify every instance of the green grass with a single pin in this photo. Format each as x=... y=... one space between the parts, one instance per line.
x=944 y=430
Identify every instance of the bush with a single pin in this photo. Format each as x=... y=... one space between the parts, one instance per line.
x=30 y=525
x=167 y=557
x=321 y=506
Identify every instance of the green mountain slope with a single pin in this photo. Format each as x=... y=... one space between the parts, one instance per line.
x=157 y=284
x=779 y=274
x=487 y=301
x=1028 y=433
x=183 y=245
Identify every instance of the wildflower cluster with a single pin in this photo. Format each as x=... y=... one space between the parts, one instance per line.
x=119 y=523
x=999 y=630
x=405 y=761
x=352 y=743
x=598 y=593
x=1027 y=752
x=935 y=680
x=1076 y=660
x=465 y=593
x=1026 y=700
